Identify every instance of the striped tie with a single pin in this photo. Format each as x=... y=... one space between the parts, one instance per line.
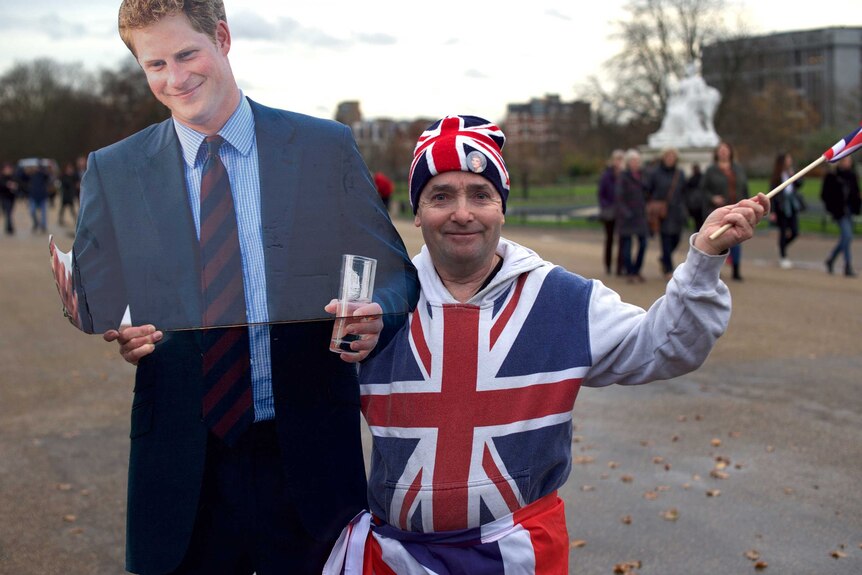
x=227 y=401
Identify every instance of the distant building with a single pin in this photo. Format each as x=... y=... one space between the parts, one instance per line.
x=542 y=133
x=823 y=65
x=348 y=113
x=386 y=145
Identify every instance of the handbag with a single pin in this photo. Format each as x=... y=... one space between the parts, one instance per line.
x=656 y=210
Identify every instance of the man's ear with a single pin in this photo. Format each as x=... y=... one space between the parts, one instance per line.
x=222 y=37
x=417 y=221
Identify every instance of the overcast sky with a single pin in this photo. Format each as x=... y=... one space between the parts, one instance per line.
x=397 y=58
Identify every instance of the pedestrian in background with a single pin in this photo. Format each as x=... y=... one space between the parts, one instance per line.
x=8 y=191
x=69 y=183
x=38 y=181
x=840 y=195
x=725 y=183
x=665 y=186
x=693 y=198
x=607 y=212
x=631 y=215
x=786 y=206
x=384 y=186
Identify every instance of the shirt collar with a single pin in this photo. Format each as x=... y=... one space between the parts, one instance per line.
x=238 y=131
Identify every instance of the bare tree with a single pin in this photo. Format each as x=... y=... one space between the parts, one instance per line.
x=659 y=39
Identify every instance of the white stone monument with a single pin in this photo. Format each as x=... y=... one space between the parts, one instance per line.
x=687 y=123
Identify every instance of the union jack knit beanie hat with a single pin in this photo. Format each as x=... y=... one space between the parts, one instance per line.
x=459 y=144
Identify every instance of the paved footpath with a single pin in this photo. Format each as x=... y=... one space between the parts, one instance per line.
x=759 y=452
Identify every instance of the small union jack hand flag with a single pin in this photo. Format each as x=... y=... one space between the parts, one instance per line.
x=846 y=146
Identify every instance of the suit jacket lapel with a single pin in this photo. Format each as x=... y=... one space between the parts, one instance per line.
x=176 y=266
x=278 y=165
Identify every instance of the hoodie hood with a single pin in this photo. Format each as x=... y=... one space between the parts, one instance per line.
x=516 y=260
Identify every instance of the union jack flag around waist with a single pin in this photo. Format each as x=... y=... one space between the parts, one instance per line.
x=470 y=406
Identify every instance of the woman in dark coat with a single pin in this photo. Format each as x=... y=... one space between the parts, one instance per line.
x=631 y=215
x=667 y=183
x=724 y=182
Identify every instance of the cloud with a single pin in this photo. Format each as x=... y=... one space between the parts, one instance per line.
x=377 y=39
x=554 y=14
x=50 y=25
x=252 y=26
x=475 y=74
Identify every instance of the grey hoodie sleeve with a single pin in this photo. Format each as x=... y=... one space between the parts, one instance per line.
x=631 y=346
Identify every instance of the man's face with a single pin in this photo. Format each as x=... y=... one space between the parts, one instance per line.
x=461 y=215
x=187 y=72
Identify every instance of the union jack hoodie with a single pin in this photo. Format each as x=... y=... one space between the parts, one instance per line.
x=470 y=404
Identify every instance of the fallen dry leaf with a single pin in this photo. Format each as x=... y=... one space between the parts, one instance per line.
x=650 y=495
x=734 y=434
x=675 y=438
x=69 y=518
x=587 y=488
x=761 y=565
x=713 y=492
x=584 y=459
x=715 y=442
x=577 y=439
x=788 y=491
x=613 y=464
x=717 y=474
x=64 y=487
x=838 y=554
x=627 y=479
x=670 y=515
x=577 y=544
x=663 y=488
x=682 y=418
x=627 y=568
x=76 y=530
x=769 y=449
x=752 y=554
x=627 y=520
x=658 y=459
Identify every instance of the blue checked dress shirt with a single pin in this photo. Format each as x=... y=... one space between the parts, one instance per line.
x=239 y=155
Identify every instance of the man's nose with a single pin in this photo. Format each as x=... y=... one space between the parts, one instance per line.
x=176 y=75
x=463 y=211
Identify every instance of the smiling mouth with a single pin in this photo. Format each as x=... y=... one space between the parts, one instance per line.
x=186 y=92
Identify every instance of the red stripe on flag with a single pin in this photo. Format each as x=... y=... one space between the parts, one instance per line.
x=409 y=498
x=419 y=341
x=493 y=473
x=501 y=322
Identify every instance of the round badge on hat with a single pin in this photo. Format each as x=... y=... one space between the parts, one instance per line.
x=477 y=162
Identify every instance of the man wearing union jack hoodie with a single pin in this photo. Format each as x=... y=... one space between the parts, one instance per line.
x=470 y=404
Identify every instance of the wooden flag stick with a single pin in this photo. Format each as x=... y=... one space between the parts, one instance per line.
x=717 y=233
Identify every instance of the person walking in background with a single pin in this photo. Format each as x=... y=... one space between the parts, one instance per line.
x=665 y=186
x=841 y=198
x=38 y=183
x=693 y=198
x=8 y=192
x=69 y=183
x=786 y=206
x=631 y=220
x=607 y=212
x=385 y=187
x=725 y=183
